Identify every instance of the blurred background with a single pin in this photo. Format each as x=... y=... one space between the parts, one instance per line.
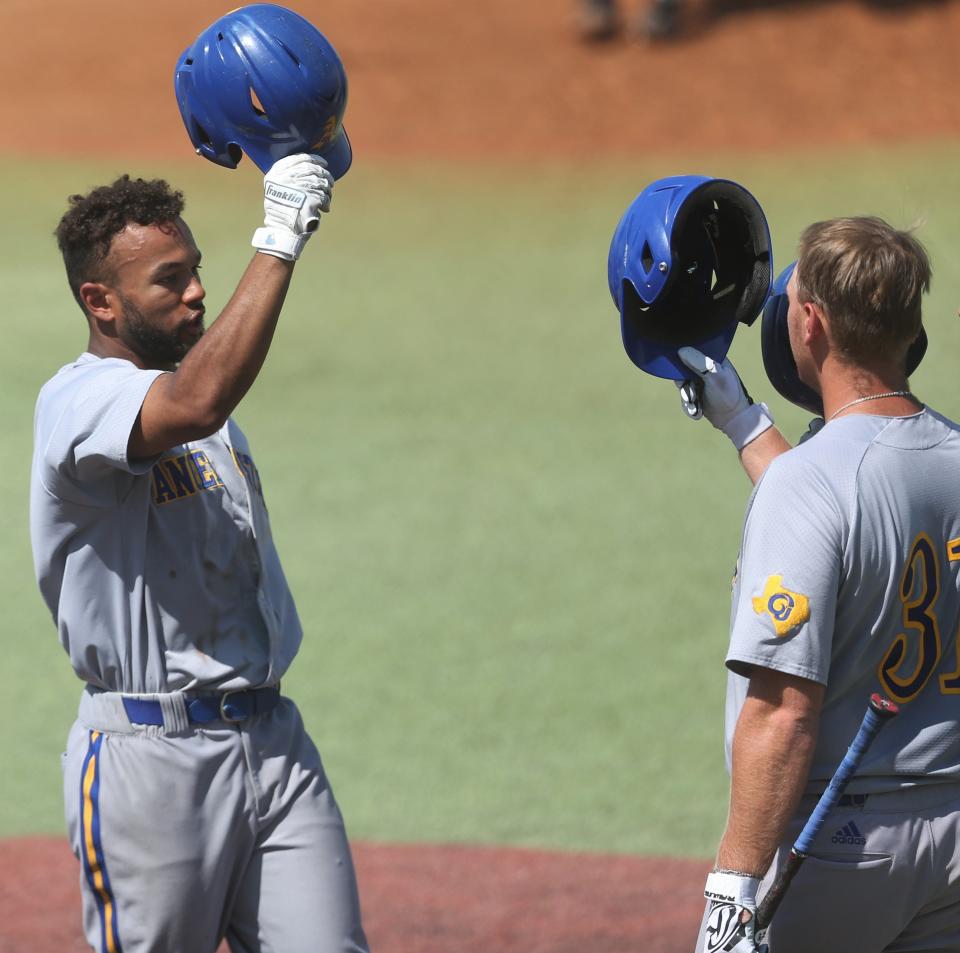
x=510 y=549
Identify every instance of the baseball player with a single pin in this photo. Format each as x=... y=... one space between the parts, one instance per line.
x=848 y=581
x=195 y=801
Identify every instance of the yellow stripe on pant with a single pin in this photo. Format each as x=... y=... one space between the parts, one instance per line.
x=94 y=864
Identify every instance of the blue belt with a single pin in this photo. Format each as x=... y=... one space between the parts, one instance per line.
x=228 y=706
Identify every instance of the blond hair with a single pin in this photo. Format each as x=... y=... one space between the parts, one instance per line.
x=868 y=277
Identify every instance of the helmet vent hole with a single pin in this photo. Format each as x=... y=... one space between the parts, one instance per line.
x=235 y=153
x=201 y=134
x=220 y=36
x=646 y=257
x=255 y=102
x=188 y=61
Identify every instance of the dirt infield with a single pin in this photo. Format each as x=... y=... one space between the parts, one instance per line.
x=434 y=78
x=506 y=79
x=424 y=899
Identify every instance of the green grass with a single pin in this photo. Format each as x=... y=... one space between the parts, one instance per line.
x=510 y=550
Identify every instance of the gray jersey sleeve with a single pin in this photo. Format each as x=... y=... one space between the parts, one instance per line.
x=785 y=595
x=83 y=423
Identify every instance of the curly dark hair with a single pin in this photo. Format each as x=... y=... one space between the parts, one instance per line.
x=92 y=222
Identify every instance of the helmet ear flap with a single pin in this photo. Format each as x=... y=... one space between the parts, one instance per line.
x=778 y=359
x=916 y=351
x=201 y=130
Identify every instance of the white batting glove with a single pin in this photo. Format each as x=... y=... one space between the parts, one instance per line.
x=296 y=191
x=717 y=393
x=731 y=912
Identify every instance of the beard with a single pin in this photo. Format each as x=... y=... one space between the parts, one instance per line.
x=154 y=346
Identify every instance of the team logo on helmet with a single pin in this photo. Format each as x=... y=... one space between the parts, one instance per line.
x=330 y=130
x=786 y=609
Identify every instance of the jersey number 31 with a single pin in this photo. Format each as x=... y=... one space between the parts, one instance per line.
x=919 y=588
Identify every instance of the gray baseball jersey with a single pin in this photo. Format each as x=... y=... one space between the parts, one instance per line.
x=849 y=575
x=167 y=591
x=161 y=575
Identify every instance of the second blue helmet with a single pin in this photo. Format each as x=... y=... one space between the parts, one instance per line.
x=778 y=359
x=689 y=260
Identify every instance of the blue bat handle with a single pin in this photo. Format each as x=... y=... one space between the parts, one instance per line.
x=879 y=711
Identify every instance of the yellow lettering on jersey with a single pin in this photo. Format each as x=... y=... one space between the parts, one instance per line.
x=950 y=681
x=178 y=470
x=207 y=476
x=953 y=550
x=176 y=478
x=916 y=651
x=787 y=609
x=248 y=470
x=162 y=491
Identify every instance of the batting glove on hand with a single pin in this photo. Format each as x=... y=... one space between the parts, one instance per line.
x=731 y=913
x=296 y=191
x=718 y=394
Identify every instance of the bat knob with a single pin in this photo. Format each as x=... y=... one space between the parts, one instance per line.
x=883 y=706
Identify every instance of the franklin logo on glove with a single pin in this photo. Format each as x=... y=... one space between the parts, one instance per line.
x=289 y=197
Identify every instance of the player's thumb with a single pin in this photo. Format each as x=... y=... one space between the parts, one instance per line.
x=698 y=362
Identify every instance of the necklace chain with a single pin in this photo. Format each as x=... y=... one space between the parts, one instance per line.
x=860 y=400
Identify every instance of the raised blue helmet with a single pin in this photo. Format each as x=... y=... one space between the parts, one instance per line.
x=778 y=359
x=264 y=82
x=689 y=261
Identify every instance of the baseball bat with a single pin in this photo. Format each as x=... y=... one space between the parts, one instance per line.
x=879 y=712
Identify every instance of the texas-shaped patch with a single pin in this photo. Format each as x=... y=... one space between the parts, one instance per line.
x=787 y=609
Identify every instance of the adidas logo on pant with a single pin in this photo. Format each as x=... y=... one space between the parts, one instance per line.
x=849 y=834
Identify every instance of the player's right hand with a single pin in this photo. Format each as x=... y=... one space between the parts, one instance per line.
x=296 y=191
x=716 y=392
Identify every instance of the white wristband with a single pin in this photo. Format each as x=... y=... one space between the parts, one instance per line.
x=279 y=242
x=726 y=887
x=752 y=421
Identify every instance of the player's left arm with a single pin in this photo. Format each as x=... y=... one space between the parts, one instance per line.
x=773 y=747
x=757 y=455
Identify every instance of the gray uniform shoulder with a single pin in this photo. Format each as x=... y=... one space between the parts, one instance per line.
x=88 y=371
x=83 y=419
x=828 y=464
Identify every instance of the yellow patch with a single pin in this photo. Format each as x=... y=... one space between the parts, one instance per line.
x=786 y=609
x=953 y=550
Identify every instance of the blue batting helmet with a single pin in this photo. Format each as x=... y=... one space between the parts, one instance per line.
x=778 y=359
x=264 y=81
x=689 y=260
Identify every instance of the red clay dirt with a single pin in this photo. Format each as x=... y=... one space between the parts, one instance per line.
x=474 y=82
x=425 y=899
